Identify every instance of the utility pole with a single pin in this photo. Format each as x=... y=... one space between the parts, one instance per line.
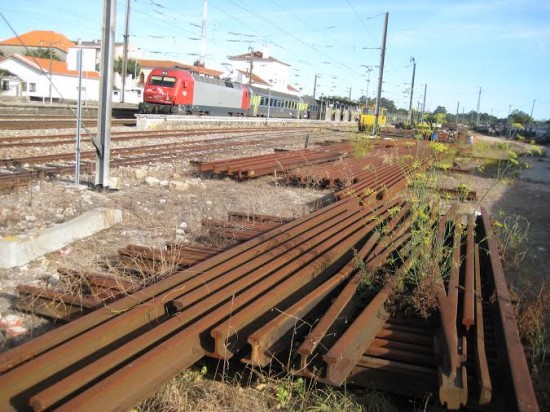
x=349 y=97
x=251 y=66
x=424 y=102
x=412 y=91
x=380 y=74
x=369 y=69
x=315 y=84
x=478 y=101
x=457 y=107
x=533 y=108
x=125 y=53
x=102 y=142
x=203 y=33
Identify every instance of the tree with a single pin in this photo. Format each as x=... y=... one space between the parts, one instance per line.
x=197 y=63
x=517 y=116
x=43 y=53
x=440 y=109
x=133 y=67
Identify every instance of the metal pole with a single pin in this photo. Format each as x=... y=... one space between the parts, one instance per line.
x=349 y=97
x=50 y=70
x=533 y=108
x=251 y=66
x=412 y=91
x=457 y=107
x=78 y=118
x=424 y=102
x=105 y=95
x=125 y=54
x=478 y=102
x=380 y=74
x=315 y=85
x=203 y=33
x=368 y=84
x=268 y=105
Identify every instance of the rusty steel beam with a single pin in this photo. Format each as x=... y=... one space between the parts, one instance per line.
x=468 y=309
x=523 y=394
x=340 y=241
x=394 y=376
x=263 y=340
x=53 y=304
x=59 y=350
x=485 y=387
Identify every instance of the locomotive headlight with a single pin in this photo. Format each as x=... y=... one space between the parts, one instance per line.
x=184 y=93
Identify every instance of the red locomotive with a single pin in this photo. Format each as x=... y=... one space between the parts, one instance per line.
x=177 y=91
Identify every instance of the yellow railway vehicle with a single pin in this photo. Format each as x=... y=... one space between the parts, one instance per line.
x=366 y=119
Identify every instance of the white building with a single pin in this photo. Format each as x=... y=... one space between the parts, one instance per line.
x=266 y=70
x=34 y=79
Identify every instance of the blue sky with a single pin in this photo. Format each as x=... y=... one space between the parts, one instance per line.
x=502 y=46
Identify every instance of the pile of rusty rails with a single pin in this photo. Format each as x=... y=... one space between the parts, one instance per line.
x=278 y=162
x=384 y=160
x=79 y=292
x=298 y=284
x=82 y=292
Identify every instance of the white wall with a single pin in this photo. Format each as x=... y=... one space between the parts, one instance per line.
x=66 y=85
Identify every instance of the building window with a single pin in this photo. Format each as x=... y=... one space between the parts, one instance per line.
x=23 y=86
x=5 y=85
x=32 y=87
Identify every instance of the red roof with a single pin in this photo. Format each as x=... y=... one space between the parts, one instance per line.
x=57 y=67
x=41 y=38
x=168 y=64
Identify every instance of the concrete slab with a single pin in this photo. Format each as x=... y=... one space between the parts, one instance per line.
x=21 y=249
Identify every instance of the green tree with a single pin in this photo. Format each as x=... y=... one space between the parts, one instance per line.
x=440 y=109
x=133 y=67
x=517 y=116
x=42 y=53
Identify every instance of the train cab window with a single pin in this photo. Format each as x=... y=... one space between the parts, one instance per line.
x=163 y=81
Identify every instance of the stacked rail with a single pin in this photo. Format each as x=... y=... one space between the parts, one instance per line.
x=351 y=170
x=250 y=302
x=274 y=163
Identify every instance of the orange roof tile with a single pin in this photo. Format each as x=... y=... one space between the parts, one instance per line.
x=59 y=68
x=41 y=38
x=169 y=64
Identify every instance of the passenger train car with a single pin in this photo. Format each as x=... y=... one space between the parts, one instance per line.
x=177 y=91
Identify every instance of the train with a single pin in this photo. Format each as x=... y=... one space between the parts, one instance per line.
x=178 y=91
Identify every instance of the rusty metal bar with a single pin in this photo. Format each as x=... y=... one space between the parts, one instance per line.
x=525 y=399
x=53 y=304
x=347 y=351
x=469 y=277
x=484 y=384
x=262 y=340
x=229 y=330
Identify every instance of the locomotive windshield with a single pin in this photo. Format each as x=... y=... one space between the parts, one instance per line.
x=163 y=81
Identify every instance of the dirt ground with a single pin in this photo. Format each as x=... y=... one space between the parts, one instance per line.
x=153 y=215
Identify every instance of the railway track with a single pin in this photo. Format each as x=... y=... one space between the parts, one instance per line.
x=34 y=123
x=20 y=171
